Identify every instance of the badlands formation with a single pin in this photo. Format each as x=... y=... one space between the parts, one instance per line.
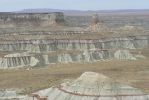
x=91 y=86
x=48 y=51
x=40 y=40
x=67 y=43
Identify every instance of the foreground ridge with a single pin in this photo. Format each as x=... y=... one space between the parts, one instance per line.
x=92 y=86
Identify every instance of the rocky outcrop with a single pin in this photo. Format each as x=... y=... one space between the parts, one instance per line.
x=92 y=86
x=31 y=60
x=89 y=86
x=10 y=20
x=124 y=54
x=131 y=28
x=39 y=46
x=57 y=18
x=11 y=95
x=97 y=25
x=40 y=52
x=95 y=19
x=17 y=60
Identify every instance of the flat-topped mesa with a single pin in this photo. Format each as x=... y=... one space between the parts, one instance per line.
x=10 y=20
x=92 y=86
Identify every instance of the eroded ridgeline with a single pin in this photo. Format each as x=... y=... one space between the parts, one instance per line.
x=44 y=48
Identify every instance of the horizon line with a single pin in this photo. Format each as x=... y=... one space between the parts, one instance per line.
x=76 y=9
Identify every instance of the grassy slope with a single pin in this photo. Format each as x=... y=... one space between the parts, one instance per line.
x=134 y=73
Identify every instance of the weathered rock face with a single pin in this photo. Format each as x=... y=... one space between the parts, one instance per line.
x=130 y=28
x=11 y=95
x=97 y=25
x=57 y=18
x=42 y=51
x=124 y=54
x=39 y=46
x=17 y=60
x=95 y=19
x=91 y=86
x=10 y=20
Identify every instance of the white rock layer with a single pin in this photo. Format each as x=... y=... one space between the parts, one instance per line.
x=92 y=86
x=17 y=60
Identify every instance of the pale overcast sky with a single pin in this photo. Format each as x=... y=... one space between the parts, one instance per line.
x=14 y=5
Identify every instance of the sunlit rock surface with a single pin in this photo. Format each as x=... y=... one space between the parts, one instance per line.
x=11 y=95
x=40 y=52
x=91 y=86
x=50 y=38
x=11 y=20
x=17 y=60
x=44 y=45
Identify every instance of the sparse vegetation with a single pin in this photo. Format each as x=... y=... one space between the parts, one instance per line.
x=134 y=73
x=36 y=31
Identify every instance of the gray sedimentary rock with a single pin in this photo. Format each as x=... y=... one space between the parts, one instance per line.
x=39 y=46
x=124 y=54
x=23 y=60
x=91 y=86
x=11 y=95
x=57 y=18
x=86 y=50
x=10 y=20
x=17 y=60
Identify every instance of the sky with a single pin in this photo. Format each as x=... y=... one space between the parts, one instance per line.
x=15 y=5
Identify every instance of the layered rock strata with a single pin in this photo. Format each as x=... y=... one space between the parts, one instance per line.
x=42 y=51
x=91 y=86
x=46 y=45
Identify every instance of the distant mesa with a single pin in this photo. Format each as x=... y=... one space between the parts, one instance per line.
x=31 y=19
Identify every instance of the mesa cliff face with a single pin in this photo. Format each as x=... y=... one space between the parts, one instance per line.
x=9 y=20
x=40 y=48
x=43 y=51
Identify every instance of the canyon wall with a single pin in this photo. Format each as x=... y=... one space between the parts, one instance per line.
x=47 y=45
x=41 y=52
